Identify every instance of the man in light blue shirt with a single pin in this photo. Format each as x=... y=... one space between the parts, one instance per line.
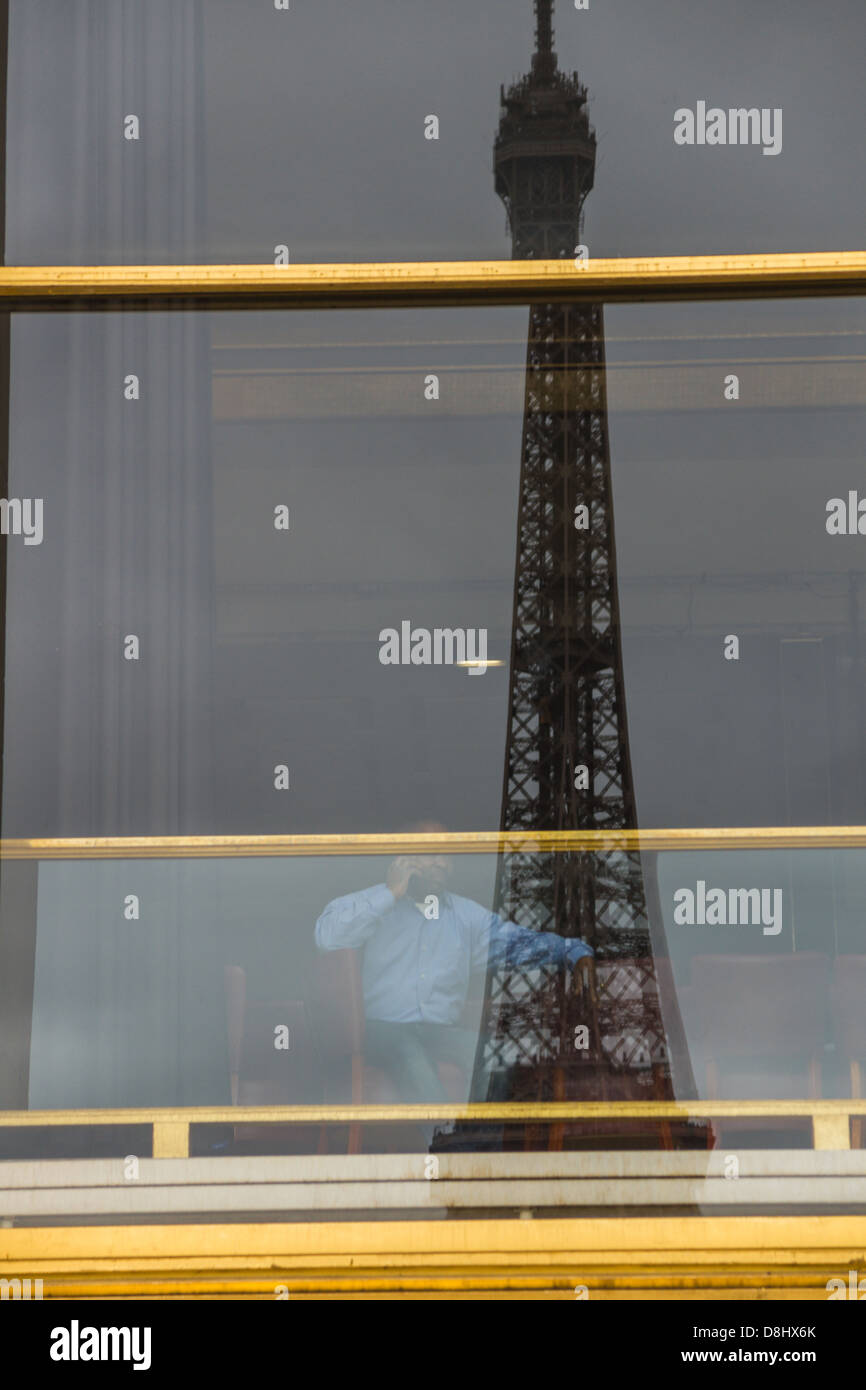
x=421 y=945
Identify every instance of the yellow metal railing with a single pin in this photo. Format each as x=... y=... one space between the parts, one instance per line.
x=170 y=1126
x=450 y=282
x=830 y=1118
x=463 y=842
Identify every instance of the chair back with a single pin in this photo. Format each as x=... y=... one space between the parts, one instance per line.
x=277 y=1065
x=769 y=1007
x=339 y=1016
x=236 y=1000
x=848 y=1005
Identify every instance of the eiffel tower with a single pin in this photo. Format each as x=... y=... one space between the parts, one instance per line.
x=567 y=762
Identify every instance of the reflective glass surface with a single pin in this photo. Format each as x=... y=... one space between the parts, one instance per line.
x=242 y=511
x=571 y=568
x=232 y=131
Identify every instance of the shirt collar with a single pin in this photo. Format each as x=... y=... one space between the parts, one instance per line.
x=444 y=901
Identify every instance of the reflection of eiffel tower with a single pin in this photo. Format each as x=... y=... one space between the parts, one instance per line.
x=567 y=765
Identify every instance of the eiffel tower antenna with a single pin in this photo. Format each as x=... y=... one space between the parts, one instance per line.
x=544 y=58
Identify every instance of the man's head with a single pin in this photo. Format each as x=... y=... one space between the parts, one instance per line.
x=434 y=870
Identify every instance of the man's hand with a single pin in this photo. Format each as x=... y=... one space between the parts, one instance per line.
x=399 y=874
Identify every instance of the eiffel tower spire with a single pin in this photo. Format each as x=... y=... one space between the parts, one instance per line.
x=544 y=58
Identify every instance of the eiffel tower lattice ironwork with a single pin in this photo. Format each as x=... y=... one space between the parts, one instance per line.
x=567 y=763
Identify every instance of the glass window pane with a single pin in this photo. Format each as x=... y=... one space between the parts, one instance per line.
x=551 y=568
x=232 y=131
x=240 y=512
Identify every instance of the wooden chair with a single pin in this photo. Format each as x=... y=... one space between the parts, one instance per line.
x=848 y=1005
x=339 y=1031
x=271 y=1062
x=764 y=1010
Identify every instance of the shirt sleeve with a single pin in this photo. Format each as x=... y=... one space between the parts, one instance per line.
x=350 y=921
x=497 y=942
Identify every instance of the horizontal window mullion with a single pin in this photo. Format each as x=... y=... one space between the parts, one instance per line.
x=399 y=283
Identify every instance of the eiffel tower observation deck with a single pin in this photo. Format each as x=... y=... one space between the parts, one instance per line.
x=544 y=155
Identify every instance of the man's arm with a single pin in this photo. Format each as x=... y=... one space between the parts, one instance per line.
x=495 y=942
x=350 y=921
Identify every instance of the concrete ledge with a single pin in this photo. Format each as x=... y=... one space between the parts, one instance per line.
x=395 y=1183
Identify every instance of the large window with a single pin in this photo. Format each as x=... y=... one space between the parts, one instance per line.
x=432 y=684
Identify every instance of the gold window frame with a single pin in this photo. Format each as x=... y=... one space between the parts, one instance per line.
x=196 y=1254
x=436 y=284
x=401 y=284
x=404 y=284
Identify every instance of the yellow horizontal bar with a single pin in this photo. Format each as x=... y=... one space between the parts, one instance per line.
x=514 y=1111
x=455 y=282
x=469 y=842
x=664 y=1288
x=632 y=1242
x=789 y=1284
